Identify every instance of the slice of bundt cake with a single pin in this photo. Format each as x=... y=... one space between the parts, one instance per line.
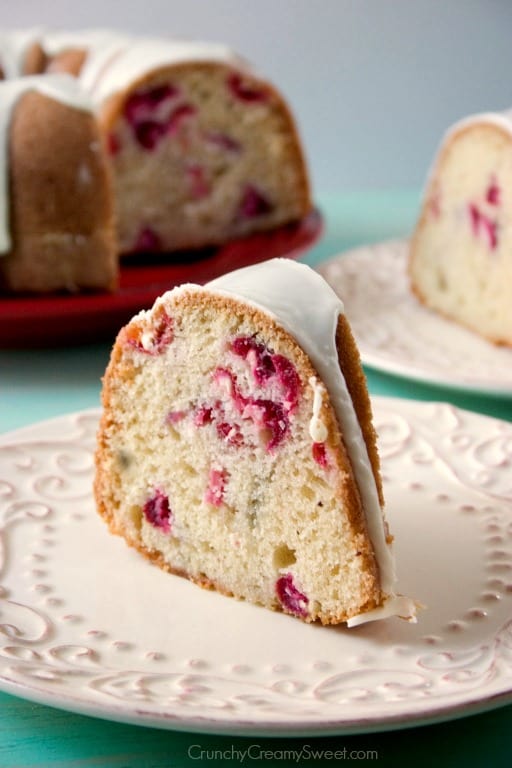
x=21 y=53
x=236 y=446
x=460 y=255
x=56 y=213
x=202 y=149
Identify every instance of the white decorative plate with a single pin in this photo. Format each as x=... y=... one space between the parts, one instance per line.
x=397 y=334
x=88 y=625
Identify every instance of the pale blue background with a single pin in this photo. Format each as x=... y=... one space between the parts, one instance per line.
x=374 y=83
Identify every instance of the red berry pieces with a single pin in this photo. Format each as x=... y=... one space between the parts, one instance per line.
x=222 y=141
x=217 y=480
x=203 y=415
x=482 y=225
x=474 y=215
x=270 y=417
x=198 y=182
x=227 y=380
x=268 y=367
x=272 y=373
x=289 y=381
x=243 y=91
x=142 y=105
x=240 y=406
x=227 y=431
x=149 y=133
x=174 y=417
x=163 y=333
x=147 y=240
x=319 y=454
x=230 y=433
x=256 y=354
x=177 y=117
x=491 y=230
x=253 y=203
x=292 y=600
x=152 y=116
x=113 y=144
x=158 y=512
x=493 y=193
x=157 y=338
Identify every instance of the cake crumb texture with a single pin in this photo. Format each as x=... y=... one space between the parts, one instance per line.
x=206 y=463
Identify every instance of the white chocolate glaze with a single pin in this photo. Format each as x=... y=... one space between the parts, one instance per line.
x=301 y=301
x=61 y=88
x=115 y=60
x=101 y=47
x=317 y=429
x=128 y=64
x=14 y=46
x=397 y=605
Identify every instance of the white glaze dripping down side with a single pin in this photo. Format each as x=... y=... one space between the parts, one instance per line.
x=61 y=88
x=105 y=74
x=116 y=60
x=317 y=429
x=14 y=46
x=304 y=304
x=101 y=46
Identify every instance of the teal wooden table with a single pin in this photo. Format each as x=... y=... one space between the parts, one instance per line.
x=37 y=385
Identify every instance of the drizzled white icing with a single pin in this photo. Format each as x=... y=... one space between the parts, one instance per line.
x=14 y=46
x=115 y=60
x=304 y=304
x=397 y=605
x=61 y=88
x=128 y=64
x=317 y=429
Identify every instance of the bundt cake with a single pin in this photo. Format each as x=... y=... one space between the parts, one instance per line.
x=21 y=53
x=201 y=150
x=56 y=213
x=460 y=262
x=236 y=446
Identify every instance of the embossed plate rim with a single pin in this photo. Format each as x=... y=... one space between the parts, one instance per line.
x=334 y=718
x=449 y=335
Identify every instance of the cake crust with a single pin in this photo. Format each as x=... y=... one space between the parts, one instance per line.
x=61 y=215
